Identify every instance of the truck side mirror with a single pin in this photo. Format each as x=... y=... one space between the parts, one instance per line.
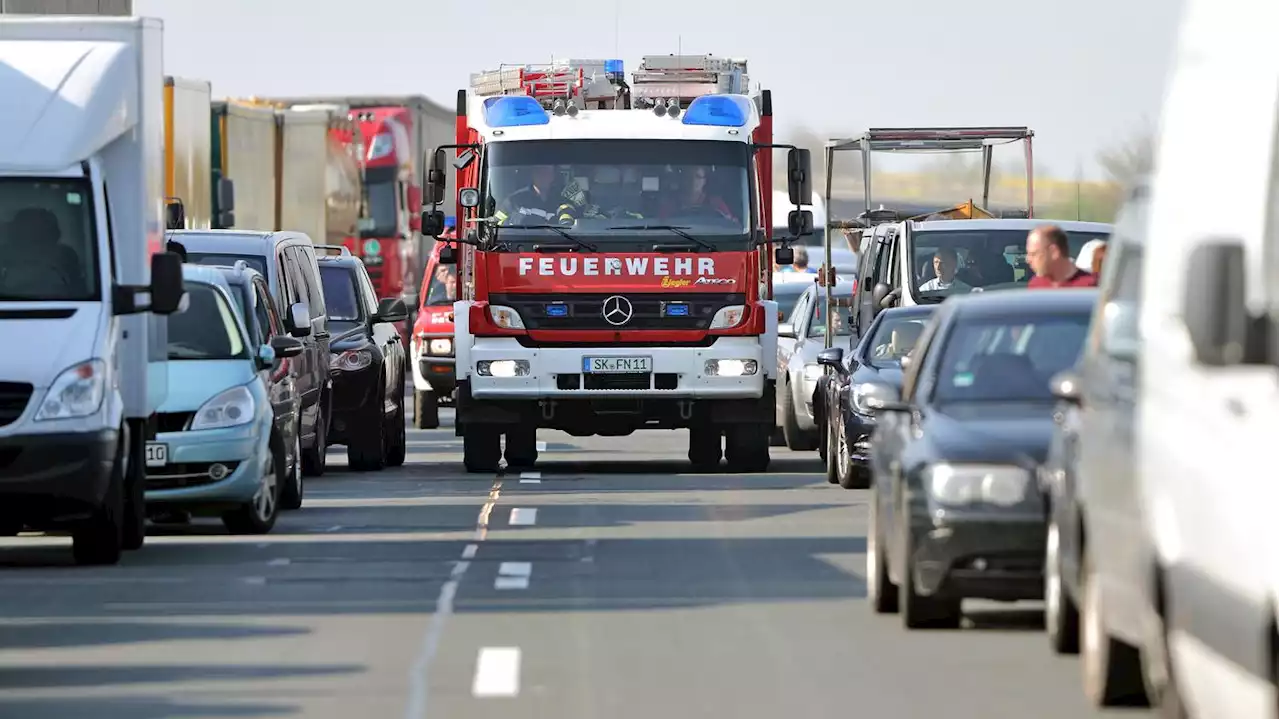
x=432 y=223
x=799 y=177
x=1214 y=307
x=436 y=179
x=800 y=223
x=784 y=256
x=448 y=255
x=175 y=215
x=226 y=194
x=166 y=283
x=464 y=159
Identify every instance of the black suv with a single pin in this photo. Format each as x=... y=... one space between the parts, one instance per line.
x=367 y=364
x=288 y=262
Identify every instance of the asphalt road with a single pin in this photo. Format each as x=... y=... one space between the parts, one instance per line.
x=611 y=584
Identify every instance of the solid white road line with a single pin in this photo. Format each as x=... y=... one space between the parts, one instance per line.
x=497 y=672
x=523 y=517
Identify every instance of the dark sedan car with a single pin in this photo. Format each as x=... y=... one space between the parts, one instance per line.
x=367 y=364
x=840 y=399
x=956 y=511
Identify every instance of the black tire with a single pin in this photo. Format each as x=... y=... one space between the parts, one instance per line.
x=882 y=593
x=848 y=474
x=99 y=540
x=797 y=440
x=746 y=447
x=397 y=441
x=704 y=448
x=833 y=473
x=292 y=486
x=426 y=410
x=481 y=448
x=776 y=439
x=1110 y=670
x=255 y=516
x=522 y=447
x=135 y=489
x=918 y=611
x=315 y=460
x=366 y=447
x=1061 y=616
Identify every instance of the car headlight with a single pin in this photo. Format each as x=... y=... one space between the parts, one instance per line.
x=505 y=317
x=442 y=346
x=730 y=368
x=350 y=360
x=231 y=408
x=812 y=372
x=959 y=484
x=77 y=392
x=858 y=398
x=502 y=368
x=727 y=317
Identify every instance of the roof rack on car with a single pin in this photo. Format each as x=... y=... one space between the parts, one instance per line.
x=334 y=250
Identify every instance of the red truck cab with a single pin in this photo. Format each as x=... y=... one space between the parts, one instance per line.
x=432 y=350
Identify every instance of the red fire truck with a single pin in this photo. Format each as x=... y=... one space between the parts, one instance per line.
x=615 y=257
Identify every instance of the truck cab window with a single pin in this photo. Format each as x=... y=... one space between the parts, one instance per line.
x=48 y=241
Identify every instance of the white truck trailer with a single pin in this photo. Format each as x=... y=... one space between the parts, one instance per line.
x=84 y=276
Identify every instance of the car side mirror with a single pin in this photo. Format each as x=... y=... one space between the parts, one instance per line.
x=175 y=215
x=879 y=292
x=286 y=346
x=266 y=357
x=832 y=357
x=1066 y=386
x=298 y=320
x=391 y=309
x=786 y=329
x=881 y=397
x=166 y=283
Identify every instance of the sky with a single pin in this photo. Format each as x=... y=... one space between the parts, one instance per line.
x=1084 y=74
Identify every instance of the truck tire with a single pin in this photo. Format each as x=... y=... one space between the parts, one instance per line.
x=522 y=447
x=704 y=447
x=426 y=409
x=746 y=447
x=367 y=445
x=100 y=539
x=135 y=503
x=481 y=448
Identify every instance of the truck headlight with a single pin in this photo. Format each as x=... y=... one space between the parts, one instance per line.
x=730 y=368
x=231 y=408
x=961 y=484
x=502 y=368
x=505 y=317
x=77 y=392
x=350 y=360
x=442 y=346
x=727 y=317
x=812 y=372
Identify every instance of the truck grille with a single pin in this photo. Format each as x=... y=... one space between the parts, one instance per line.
x=13 y=400
x=586 y=311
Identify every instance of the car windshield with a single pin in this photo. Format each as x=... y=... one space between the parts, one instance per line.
x=895 y=337
x=207 y=329
x=843 y=299
x=218 y=259
x=787 y=296
x=620 y=190
x=947 y=262
x=1008 y=359
x=443 y=289
x=48 y=243
x=340 y=293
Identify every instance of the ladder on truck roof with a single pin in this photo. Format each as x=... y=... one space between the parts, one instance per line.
x=582 y=83
x=679 y=79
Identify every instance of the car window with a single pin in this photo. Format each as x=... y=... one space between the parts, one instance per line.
x=290 y=289
x=296 y=261
x=273 y=326
x=1119 y=316
x=365 y=287
x=1008 y=359
x=443 y=289
x=207 y=329
x=340 y=293
x=894 y=338
x=799 y=310
x=220 y=259
x=787 y=296
x=818 y=317
x=311 y=275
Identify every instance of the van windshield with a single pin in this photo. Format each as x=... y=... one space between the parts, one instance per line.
x=207 y=329
x=48 y=241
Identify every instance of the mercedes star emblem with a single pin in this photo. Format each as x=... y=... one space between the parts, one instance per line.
x=617 y=310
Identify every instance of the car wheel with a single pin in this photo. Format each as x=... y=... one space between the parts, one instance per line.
x=397 y=441
x=365 y=448
x=833 y=472
x=258 y=515
x=292 y=491
x=919 y=611
x=881 y=591
x=316 y=459
x=1061 y=618
x=135 y=473
x=1111 y=670
x=797 y=440
x=850 y=476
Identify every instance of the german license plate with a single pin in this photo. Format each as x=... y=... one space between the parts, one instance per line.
x=157 y=454
x=616 y=365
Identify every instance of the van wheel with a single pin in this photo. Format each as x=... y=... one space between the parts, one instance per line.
x=426 y=410
x=258 y=515
x=315 y=459
x=100 y=539
x=135 y=472
x=1111 y=669
x=481 y=448
x=395 y=438
x=364 y=451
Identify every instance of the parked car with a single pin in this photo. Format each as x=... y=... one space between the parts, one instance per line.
x=956 y=512
x=263 y=320
x=798 y=368
x=288 y=261
x=431 y=356
x=367 y=365
x=217 y=450
x=845 y=422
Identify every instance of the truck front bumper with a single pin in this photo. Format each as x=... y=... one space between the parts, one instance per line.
x=46 y=479
x=557 y=373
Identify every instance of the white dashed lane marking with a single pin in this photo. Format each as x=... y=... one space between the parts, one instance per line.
x=497 y=672
x=523 y=517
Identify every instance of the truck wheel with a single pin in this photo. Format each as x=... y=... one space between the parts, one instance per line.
x=746 y=447
x=100 y=539
x=135 y=505
x=522 y=447
x=796 y=439
x=364 y=451
x=704 y=447
x=426 y=410
x=481 y=448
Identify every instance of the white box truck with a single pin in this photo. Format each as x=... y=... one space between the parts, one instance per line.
x=84 y=278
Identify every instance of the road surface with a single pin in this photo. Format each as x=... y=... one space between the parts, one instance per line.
x=610 y=584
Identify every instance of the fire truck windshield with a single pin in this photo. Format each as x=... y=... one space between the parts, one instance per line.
x=621 y=191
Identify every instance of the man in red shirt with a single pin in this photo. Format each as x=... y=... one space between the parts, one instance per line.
x=1049 y=256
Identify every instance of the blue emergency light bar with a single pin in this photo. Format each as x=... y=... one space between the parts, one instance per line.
x=615 y=67
x=718 y=111
x=558 y=309
x=450 y=222
x=675 y=309
x=514 y=111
